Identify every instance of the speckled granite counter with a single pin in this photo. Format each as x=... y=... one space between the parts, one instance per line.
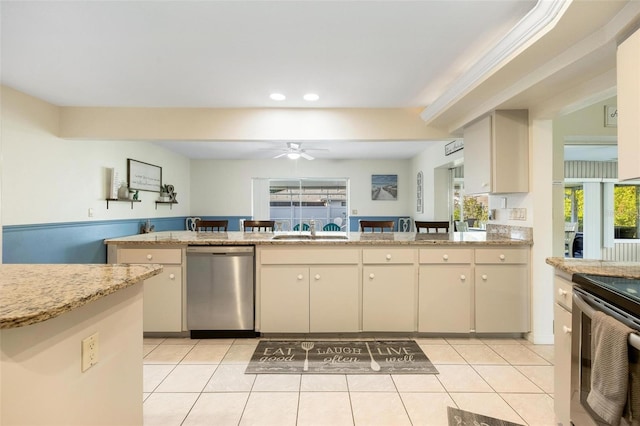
x=322 y=238
x=596 y=267
x=36 y=293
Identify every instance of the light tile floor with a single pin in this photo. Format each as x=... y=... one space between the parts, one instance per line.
x=202 y=382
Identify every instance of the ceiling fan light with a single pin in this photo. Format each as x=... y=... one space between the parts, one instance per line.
x=293 y=155
x=311 y=97
x=277 y=96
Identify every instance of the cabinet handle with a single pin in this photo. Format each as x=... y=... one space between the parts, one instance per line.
x=388 y=257
x=562 y=292
x=445 y=257
x=317 y=277
x=300 y=277
x=172 y=276
x=149 y=256
x=484 y=277
x=463 y=277
x=502 y=257
x=566 y=329
x=372 y=276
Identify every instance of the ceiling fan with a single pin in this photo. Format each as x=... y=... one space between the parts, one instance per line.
x=294 y=151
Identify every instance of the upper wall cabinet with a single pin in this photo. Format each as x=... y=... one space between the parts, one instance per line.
x=628 y=70
x=496 y=153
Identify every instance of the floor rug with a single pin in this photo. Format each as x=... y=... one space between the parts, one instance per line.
x=459 y=417
x=339 y=357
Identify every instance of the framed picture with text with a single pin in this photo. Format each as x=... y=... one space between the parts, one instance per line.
x=143 y=176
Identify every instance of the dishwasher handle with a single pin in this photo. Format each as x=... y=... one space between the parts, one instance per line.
x=222 y=250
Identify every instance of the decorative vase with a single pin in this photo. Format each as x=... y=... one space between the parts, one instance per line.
x=123 y=191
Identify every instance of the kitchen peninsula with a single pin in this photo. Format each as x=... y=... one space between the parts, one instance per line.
x=358 y=282
x=46 y=311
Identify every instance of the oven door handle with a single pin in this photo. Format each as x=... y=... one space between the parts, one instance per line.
x=588 y=310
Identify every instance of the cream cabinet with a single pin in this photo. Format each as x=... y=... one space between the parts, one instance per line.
x=562 y=346
x=628 y=75
x=388 y=289
x=445 y=290
x=496 y=152
x=502 y=290
x=162 y=299
x=309 y=290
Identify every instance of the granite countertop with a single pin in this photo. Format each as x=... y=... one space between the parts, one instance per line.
x=185 y=238
x=36 y=293
x=596 y=267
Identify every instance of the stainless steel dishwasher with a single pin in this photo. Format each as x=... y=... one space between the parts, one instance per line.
x=220 y=291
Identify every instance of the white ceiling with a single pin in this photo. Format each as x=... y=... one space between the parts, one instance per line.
x=233 y=54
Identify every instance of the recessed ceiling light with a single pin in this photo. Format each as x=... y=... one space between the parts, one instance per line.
x=311 y=97
x=277 y=96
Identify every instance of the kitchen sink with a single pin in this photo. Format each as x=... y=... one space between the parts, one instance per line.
x=309 y=237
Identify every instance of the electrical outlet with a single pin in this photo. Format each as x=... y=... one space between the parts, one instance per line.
x=89 y=352
x=354 y=211
x=90 y=212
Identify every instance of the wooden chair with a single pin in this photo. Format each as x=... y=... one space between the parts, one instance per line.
x=211 y=225
x=259 y=225
x=436 y=226
x=374 y=224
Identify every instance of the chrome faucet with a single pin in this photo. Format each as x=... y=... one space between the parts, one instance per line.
x=312 y=227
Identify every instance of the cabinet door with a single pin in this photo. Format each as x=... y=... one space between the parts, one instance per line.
x=284 y=297
x=562 y=364
x=628 y=72
x=444 y=298
x=388 y=298
x=477 y=154
x=333 y=305
x=502 y=298
x=162 y=301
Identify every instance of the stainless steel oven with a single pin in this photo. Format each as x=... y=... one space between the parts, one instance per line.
x=590 y=294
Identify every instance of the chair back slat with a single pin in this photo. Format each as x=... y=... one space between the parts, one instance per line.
x=212 y=225
x=372 y=225
x=259 y=225
x=437 y=226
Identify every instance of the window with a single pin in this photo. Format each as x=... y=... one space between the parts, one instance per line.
x=574 y=205
x=293 y=203
x=626 y=199
x=474 y=209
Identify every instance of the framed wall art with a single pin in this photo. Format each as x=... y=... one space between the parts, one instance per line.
x=384 y=187
x=419 y=199
x=144 y=176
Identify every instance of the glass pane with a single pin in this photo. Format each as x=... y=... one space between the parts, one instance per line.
x=625 y=211
x=293 y=203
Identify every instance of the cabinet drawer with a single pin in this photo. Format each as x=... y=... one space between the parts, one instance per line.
x=388 y=256
x=563 y=292
x=334 y=256
x=446 y=255
x=502 y=255
x=144 y=255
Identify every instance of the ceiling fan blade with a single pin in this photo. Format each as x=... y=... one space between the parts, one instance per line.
x=280 y=155
x=306 y=156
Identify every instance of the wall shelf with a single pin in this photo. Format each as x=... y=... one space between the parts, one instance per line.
x=166 y=202
x=121 y=201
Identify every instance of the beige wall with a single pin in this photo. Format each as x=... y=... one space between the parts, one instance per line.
x=245 y=124
x=42 y=382
x=47 y=179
